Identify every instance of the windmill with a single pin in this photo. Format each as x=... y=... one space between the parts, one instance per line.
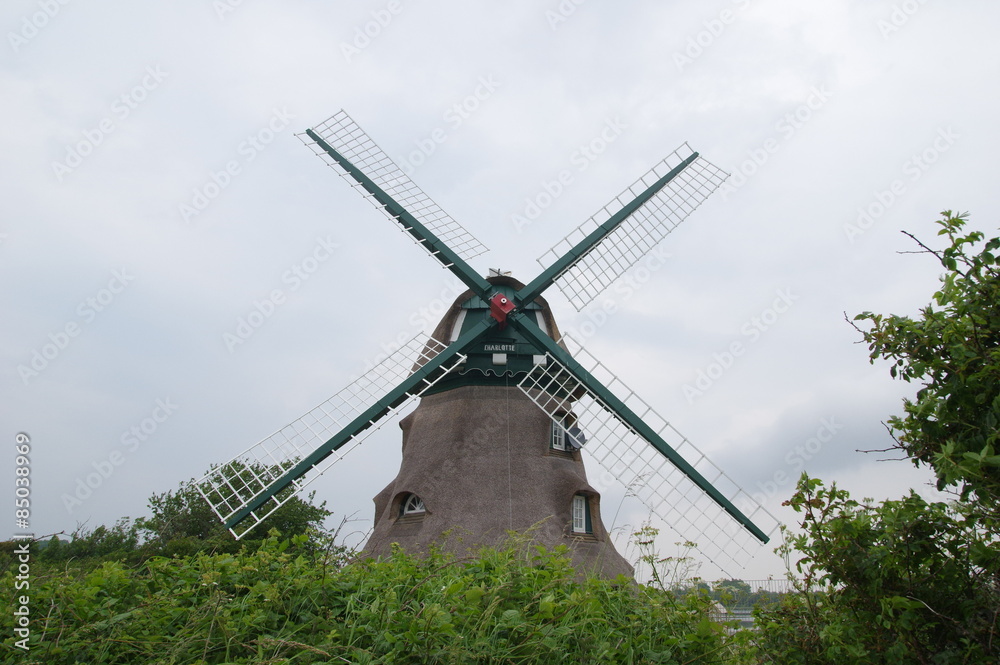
x=495 y=361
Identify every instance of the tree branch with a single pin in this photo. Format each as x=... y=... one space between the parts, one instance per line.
x=927 y=250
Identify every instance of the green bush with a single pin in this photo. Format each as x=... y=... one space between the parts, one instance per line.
x=912 y=581
x=905 y=581
x=284 y=604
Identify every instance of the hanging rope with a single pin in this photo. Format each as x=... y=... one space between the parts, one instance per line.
x=510 y=476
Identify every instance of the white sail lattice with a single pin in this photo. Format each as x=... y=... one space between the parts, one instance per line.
x=640 y=232
x=664 y=489
x=230 y=487
x=347 y=138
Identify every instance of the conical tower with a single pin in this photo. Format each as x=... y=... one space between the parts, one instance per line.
x=480 y=458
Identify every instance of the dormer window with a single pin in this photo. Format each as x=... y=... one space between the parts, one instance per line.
x=412 y=505
x=456 y=330
x=540 y=320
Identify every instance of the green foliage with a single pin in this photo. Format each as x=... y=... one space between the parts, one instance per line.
x=912 y=581
x=905 y=581
x=954 y=349
x=182 y=522
x=732 y=593
x=665 y=572
x=115 y=542
x=280 y=604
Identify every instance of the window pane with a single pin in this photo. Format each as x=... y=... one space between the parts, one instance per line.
x=579 y=514
x=413 y=504
x=558 y=437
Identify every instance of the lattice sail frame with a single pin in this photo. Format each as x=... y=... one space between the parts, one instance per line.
x=665 y=490
x=347 y=138
x=640 y=232
x=230 y=487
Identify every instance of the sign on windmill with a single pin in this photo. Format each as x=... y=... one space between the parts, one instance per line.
x=508 y=408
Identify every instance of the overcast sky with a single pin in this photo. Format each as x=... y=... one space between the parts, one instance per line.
x=155 y=194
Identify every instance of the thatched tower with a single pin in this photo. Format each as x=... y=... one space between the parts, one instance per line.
x=480 y=458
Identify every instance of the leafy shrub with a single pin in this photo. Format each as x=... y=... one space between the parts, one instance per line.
x=283 y=604
x=911 y=581
x=907 y=581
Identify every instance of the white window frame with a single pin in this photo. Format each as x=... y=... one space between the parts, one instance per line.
x=580 y=509
x=558 y=438
x=413 y=505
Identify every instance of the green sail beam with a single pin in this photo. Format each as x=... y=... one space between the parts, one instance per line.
x=410 y=224
x=530 y=330
x=401 y=393
x=552 y=273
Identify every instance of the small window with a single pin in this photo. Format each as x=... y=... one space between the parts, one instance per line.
x=456 y=331
x=540 y=320
x=558 y=435
x=412 y=505
x=581 y=515
x=566 y=435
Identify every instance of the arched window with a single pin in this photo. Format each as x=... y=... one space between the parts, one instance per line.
x=581 y=515
x=412 y=505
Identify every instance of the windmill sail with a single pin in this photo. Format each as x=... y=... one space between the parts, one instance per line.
x=658 y=465
x=346 y=148
x=675 y=493
x=665 y=195
x=235 y=489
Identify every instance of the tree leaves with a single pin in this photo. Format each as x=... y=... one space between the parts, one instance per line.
x=912 y=581
x=955 y=352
